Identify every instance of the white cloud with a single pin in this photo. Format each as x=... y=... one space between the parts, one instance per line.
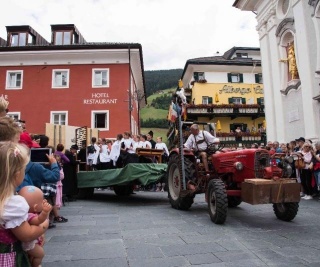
x=170 y=31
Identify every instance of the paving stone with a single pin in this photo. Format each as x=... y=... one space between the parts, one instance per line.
x=163 y=262
x=143 y=230
x=116 y=262
x=191 y=249
x=196 y=259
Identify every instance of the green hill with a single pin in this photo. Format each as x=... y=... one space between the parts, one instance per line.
x=157 y=80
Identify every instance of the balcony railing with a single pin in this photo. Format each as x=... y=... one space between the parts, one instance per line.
x=231 y=109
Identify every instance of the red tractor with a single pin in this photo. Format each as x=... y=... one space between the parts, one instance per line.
x=235 y=176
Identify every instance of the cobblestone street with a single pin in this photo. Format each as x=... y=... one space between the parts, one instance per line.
x=143 y=230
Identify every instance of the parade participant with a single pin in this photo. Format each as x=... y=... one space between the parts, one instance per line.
x=39 y=210
x=93 y=154
x=163 y=146
x=115 y=152
x=199 y=142
x=150 y=139
x=104 y=155
x=14 y=208
x=144 y=142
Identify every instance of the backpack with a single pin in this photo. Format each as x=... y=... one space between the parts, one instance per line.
x=91 y=149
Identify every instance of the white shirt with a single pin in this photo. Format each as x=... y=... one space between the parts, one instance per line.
x=204 y=136
x=94 y=156
x=128 y=144
x=146 y=144
x=115 y=151
x=15 y=212
x=105 y=154
x=136 y=145
x=162 y=146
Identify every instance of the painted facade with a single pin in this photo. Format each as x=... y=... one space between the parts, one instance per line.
x=228 y=91
x=289 y=32
x=98 y=85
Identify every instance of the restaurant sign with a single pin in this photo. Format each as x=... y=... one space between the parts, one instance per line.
x=100 y=98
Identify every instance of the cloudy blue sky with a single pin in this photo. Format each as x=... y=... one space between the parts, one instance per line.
x=170 y=31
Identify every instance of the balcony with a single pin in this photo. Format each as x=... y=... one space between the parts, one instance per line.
x=246 y=139
x=227 y=110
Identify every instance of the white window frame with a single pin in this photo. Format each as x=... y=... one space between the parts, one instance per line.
x=54 y=71
x=94 y=112
x=54 y=113
x=205 y=100
x=235 y=75
x=8 y=87
x=107 y=70
x=236 y=100
x=11 y=114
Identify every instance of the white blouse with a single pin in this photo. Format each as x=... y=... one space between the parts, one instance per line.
x=15 y=212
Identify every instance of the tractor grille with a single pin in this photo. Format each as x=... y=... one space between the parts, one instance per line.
x=261 y=160
x=227 y=163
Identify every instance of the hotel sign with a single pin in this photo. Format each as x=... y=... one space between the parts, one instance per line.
x=100 y=98
x=229 y=89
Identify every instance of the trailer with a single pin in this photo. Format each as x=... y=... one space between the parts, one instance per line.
x=122 y=180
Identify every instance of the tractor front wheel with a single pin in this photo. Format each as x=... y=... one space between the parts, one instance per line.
x=217 y=201
x=286 y=211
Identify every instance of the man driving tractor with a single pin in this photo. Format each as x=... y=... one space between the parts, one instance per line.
x=199 y=141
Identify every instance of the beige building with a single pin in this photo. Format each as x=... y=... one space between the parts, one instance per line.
x=227 y=90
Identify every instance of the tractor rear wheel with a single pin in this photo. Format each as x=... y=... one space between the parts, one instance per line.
x=217 y=201
x=286 y=211
x=175 y=183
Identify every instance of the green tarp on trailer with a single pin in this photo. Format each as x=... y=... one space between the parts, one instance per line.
x=142 y=173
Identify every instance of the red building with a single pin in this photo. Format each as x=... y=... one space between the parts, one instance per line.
x=69 y=81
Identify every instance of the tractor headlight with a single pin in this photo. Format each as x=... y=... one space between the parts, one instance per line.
x=239 y=166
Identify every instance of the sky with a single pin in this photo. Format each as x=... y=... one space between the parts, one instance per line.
x=170 y=31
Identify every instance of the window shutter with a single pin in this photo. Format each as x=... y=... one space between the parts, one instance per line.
x=243 y=100
x=256 y=76
x=230 y=100
x=196 y=76
x=229 y=78
x=259 y=101
x=232 y=127
x=241 y=77
x=209 y=100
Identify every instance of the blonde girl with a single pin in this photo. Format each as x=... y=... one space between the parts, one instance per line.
x=14 y=226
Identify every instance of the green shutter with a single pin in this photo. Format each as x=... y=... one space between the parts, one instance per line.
x=243 y=100
x=241 y=77
x=256 y=76
x=229 y=78
x=230 y=100
x=232 y=127
x=209 y=100
x=196 y=76
x=259 y=101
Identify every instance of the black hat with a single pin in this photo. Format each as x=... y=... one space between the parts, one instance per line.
x=301 y=139
x=74 y=147
x=151 y=133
